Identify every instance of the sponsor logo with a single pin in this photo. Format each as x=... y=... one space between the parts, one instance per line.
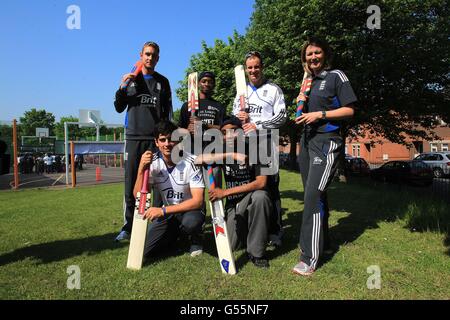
x=147 y=100
x=219 y=230
x=208 y=121
x=322 y=84
x=225 y=265
x=265 y=93
x=158 y=86
x=196 y=178
x=254 y=109
x=317 y=160
x=171 y=194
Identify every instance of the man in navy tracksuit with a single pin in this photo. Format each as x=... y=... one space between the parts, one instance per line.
x=331 y=99
x=148 y=100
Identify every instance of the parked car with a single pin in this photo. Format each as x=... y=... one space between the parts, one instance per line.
x=414 y=172
x=356 y=166
x=439 y=162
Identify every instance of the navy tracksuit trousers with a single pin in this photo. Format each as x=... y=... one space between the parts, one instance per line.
x=318 y=162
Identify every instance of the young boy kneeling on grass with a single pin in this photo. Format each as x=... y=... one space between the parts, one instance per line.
x=248 y=205
x=181 y=187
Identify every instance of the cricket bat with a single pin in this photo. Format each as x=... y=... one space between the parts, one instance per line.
x=241 y=86
x=193 y=93
x=306 y=90
x=224 y=251
x=136 y=69
x=139 y=230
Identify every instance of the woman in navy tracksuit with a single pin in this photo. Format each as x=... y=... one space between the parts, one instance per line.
x=331 y=99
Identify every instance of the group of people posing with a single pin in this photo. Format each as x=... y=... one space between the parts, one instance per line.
x=253 y=206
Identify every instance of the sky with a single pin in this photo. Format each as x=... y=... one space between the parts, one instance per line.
x=46 y=65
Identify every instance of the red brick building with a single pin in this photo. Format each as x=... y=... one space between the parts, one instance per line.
x=387 y=151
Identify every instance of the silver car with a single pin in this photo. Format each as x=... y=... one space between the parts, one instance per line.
x=438 y=161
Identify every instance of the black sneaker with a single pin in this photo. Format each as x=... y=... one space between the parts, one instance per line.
x=259 y=262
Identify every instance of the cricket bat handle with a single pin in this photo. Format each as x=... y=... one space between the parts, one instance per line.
x=135 y=71
x=242 y=104
x=305 y=89
x=212 y=183
x=144 y=192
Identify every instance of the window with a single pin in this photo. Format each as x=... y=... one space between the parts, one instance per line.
x=444 y=147
x=433 y=147
x=356 y=150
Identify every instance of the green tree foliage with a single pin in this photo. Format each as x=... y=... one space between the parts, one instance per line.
x=75 y=133
x=400 y=72
x=220 y=59
x=176 y=116
x=5 y=131
x=36 y=119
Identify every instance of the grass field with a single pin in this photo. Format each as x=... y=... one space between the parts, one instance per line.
x=43 y=232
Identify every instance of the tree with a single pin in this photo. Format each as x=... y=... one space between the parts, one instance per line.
x=176 y=115
x=5 y=131
x=400 y=73
x=36 y=119
x=397 y=84
x=75 y=133
x=220 y=59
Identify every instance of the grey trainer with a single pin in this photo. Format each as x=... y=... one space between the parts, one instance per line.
x=303 y=269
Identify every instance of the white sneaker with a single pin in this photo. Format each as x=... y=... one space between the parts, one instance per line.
x=195 y=250
x=303 y=269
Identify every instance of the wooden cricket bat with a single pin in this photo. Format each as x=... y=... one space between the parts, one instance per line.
x=224 y=251
x=139 y=230
x=193 y=92
x=241 y=86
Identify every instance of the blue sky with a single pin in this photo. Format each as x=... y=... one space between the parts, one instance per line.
x=46 y=65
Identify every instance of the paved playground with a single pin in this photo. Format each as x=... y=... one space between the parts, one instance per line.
x=87 y=176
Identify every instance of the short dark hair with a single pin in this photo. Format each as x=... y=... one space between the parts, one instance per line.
x=231 y=120
x=208 y=74
x=151 y=44
x=164 y=128
x=321 y=43
x=252 y=54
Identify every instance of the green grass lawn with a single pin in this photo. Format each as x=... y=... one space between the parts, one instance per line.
x=43 y=232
